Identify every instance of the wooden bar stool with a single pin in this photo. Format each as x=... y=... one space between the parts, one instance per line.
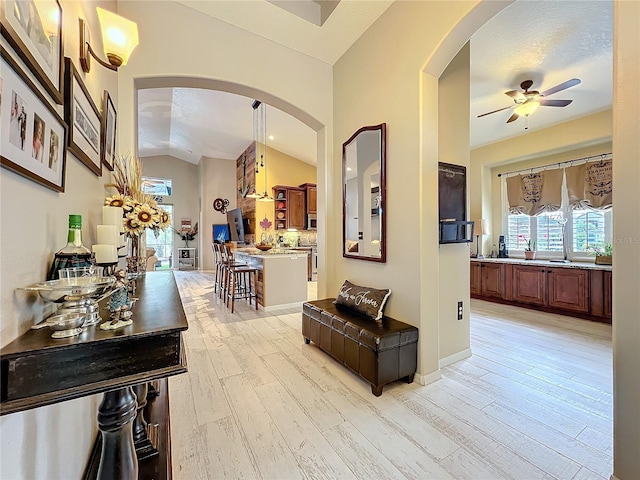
x=226 y=262
x=217 y=259
x=239 y=285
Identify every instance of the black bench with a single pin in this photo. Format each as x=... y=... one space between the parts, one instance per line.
x=380 y=352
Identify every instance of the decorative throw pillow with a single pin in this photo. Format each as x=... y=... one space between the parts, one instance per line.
x=364 y=300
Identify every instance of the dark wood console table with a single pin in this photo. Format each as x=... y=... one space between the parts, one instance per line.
x=37 y=370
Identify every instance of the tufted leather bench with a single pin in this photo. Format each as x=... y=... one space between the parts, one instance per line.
x=380 y=352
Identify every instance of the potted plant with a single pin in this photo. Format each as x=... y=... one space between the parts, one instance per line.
x=530 y=250
x=603 y=254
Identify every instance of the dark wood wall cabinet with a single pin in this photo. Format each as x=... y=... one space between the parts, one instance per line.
x=293 y=205
x=567 y=290
x=36 y=370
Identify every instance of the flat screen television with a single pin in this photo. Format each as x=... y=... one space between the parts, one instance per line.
x=221 y=233
x=236 y=225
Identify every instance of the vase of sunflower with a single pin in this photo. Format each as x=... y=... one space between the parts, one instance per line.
x=140 y=210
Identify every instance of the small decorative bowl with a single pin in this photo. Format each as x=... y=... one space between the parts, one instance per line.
x=66 y=324
x=264 y=246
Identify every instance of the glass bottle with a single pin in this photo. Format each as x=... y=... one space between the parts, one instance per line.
x=74 y=238
x=74 y=254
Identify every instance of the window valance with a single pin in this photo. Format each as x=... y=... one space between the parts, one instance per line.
x=590 y=185
x=535 y=193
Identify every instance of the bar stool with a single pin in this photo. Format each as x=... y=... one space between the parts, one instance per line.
x=217 y=259
x=226 y=262
x=239 y=285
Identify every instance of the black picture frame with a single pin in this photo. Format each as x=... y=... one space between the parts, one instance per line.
x=108 y=131
x=41 y=156
x=452 y=204
x=83 y=118
x=23 y=24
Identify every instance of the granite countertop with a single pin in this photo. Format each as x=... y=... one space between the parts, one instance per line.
x=274 y=252
x=542 y=262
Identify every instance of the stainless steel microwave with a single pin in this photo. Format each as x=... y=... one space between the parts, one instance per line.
x=311 y=221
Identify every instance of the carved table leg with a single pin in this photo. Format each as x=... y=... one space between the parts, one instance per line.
x=152 y=392
x=144 y=435
x=115 y=419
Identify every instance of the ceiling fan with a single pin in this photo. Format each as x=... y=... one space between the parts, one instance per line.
x=528 y=101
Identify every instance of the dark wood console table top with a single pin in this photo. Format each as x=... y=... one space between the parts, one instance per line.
x=37 y=370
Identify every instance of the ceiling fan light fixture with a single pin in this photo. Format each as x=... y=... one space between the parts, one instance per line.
x=527 y=108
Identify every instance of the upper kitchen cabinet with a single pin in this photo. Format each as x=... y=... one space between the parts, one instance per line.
x=289 y=207
x=311 y=197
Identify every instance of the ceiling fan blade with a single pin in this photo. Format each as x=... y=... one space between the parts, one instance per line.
x=513 y=118
x=495 y=111
x=563 y=86
x=515 y=94
x=555 y=103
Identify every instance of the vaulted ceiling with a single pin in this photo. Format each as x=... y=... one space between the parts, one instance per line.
x=547 y=42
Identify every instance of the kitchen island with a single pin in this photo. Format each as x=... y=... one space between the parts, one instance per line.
x=282 y=276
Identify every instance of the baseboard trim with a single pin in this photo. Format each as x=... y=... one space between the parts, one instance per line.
x=428 y=378
x=456 y=357
x=613 y=477
x=283 y=306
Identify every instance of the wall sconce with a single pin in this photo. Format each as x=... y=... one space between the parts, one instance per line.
x=119 y=38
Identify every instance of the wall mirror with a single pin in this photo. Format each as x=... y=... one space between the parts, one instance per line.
x=364 y=194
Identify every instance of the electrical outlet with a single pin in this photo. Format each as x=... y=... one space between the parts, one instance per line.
x=459 y=310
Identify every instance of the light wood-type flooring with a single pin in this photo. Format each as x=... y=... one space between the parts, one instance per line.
x=533 y=402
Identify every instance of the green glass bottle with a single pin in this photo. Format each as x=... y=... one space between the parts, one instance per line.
x=74 y=254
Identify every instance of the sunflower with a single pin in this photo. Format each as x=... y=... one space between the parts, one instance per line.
x=131 y=225
x=164 y=219
x=116 y=200
x=146 y=216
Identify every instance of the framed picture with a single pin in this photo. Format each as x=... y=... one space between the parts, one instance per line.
x=83 y=118
x=33 y=134
x=108 y=131
x=34 y=30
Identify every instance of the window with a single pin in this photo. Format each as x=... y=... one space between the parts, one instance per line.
x=591 y=228
x=156 y=186
x=519 y=228
x=585 y=229
x=163 y=244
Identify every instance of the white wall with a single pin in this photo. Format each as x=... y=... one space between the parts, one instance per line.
x=626 y=232
x=380 y=79
x=185 y=193
x=182 y=47
x=34 y=226
x=453 y=147
x=218 y=180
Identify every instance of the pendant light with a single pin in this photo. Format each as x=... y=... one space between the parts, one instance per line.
x=253 y=190
x=263 y=158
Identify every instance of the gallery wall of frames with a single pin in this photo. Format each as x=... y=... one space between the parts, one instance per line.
x=35 y=137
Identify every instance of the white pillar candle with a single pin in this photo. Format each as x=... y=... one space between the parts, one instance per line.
x=113 y=216
x=108 y=235
x=105 y=253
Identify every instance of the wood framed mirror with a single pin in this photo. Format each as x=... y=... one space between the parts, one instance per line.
x=364 y=192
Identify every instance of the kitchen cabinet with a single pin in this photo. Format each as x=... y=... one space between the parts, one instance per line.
x=311 y=200
x=296 y=206
x=529 y=284
x=600 y=293
x=607 y=294
x=487 y=280
x=570 y=290
x=562 y=288
x=289 y=207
